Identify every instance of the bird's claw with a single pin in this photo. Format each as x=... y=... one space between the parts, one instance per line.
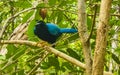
x=43 y=43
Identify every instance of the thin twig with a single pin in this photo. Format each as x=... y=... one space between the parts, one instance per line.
x=46 y=54
x=8 y=64
x=93 y=24
x=11 y=61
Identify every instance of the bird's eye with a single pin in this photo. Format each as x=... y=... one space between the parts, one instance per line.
x=38 y=23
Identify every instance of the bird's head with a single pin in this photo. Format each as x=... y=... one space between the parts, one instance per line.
x=40 y=22
x=40 y=25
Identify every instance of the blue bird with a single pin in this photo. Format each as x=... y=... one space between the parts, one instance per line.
x=50 y=32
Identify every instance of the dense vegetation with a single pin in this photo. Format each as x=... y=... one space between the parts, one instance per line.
x=19 y=17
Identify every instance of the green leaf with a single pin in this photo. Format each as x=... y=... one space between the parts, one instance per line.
x=36 y=56
x=118 y=22
x=22 y=4
x=115 y=58
x=20 y=51
x=117 y=50
x=54 y=62
x=45 y=65
x=67 y=65
x=8 y=66
x=30 y=31
x=59 y=17
x=53 y=15
x=2 y=57
x=89 y=23
x=27 y=16
x=112 y=32
x=41 y=5
x=21 y=72
x=52 y=2
x=63 y=69
x=71 y=38
x=11 y=50
x=37 y=15
x=73 y=54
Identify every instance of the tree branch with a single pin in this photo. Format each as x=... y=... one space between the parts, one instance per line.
x=101 y=39
x=35 y=67
x=6 y=23
x=47 y=48
x=93 y=24
x=83 y=33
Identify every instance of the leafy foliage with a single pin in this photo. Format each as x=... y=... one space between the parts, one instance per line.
x=21 y=59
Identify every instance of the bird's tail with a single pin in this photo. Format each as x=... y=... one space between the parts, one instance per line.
x=68 y=30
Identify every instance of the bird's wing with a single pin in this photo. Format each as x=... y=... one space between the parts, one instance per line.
x=53 y=29
x=68 y=30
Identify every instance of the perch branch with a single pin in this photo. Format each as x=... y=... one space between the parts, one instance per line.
x=48 y=48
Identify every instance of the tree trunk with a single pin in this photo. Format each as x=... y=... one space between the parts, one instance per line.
x=101 y=39
x=82 y=28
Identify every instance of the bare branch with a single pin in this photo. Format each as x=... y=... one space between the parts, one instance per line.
x=6 y=23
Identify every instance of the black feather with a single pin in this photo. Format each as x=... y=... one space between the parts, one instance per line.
x=41 y=30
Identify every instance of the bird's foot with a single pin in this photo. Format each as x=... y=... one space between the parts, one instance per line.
x=43 y=43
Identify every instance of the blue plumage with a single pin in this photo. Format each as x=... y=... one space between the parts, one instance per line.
x=50 y=32
x=53 y=29
x=68 y=30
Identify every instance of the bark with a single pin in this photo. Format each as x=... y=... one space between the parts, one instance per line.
x=82 y=28
x=101 y=40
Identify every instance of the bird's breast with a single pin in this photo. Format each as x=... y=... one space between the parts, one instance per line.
x=45 y=35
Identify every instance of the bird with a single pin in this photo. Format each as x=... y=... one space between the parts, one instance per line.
x=50 y=32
